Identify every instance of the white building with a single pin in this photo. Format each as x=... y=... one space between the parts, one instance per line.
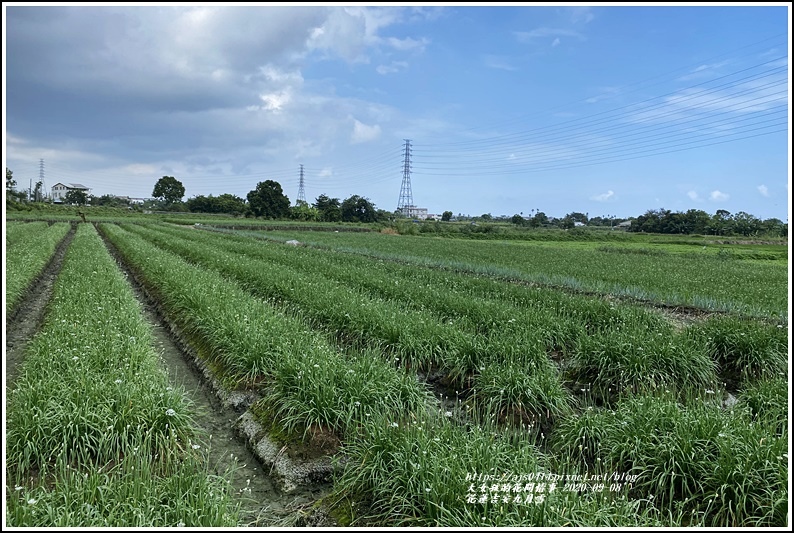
x=59 y=190
x=411 y=211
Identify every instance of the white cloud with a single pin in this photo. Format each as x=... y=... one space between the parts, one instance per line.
x=363 y=133
x=327 y=172
x=717 y=196
x=581 y=14
x=407 y=44
x=395 y=66
x=693 y=195
x=764 y=190
x=275 y=101
x=603 y=197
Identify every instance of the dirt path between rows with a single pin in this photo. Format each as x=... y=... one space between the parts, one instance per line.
x=27 y=317
x=262 y=503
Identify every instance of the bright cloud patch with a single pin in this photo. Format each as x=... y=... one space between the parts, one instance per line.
x=395 y=66
x=603 y=197
x=363 y=133
x=693 y=195
x=717 y=196
x=763 y=190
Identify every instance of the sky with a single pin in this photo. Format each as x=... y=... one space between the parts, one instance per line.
x=560 y=108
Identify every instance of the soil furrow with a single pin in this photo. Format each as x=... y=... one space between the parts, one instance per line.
x=263 y=504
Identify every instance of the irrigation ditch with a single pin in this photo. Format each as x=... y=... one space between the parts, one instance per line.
x=276 y=488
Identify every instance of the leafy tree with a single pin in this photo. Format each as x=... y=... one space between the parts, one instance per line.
x=169 y=189
x=486 y=216
x=330 y=209
x=539 y=219
x=566 y=223
x=268 y=200
x=10 y=181
x=358 y=209
x=446 y=216
x=225 y=203
x=108 y=200
x=696 y=221
x=746 y=224
x=518 y=220
x=303 y=211
x=76 y=196
x=578 y=217
x=721 y=223
x=38 y=191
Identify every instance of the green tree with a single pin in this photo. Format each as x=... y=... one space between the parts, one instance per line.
x=268 y=200
x=10 y=181
x=446 y=216
x=329 y=209
x=578 y=217
x=169 y=189
x=540 y=219
x=108 y=200
x=358 y=209
x=567 y=223
x=76 y=197
x=518 y=220
x=225 y=203
x=303 y=211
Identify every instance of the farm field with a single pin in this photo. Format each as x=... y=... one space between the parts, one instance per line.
x=439 y=390
x=28 y=249
x=708 y=280
x=95 y=434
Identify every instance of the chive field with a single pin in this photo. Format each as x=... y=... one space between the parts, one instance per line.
x=456 y=383
x=28 y=249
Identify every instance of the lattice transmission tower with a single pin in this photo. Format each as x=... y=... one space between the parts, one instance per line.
x=406 y=202
x=301 y=192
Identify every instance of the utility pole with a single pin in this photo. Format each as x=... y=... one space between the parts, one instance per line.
x=301 y=192
x=406 y=202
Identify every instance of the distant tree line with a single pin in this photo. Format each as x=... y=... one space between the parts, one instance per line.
x=696 y=221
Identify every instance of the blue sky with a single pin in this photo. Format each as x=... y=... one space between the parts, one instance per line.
x=604 y=110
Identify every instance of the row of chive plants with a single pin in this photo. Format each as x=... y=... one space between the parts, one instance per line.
x=411 y=463
x=685 y=505
x=17 y=231
x=740 y=346
x=95 y=435
x=709 y=282
x=29 y=247
x=613 y=347
x=743 y=348
x=517 y=379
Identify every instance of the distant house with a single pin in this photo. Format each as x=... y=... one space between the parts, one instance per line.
x=59 y=190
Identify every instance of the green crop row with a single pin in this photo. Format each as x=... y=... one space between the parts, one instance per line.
x=722 y=467
x=708 y=282
x=307 y=382
x=379 y=429
x=95 y=435
x=29 y=249
x=17 y=232
x=416 y=467
x=614 y=349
